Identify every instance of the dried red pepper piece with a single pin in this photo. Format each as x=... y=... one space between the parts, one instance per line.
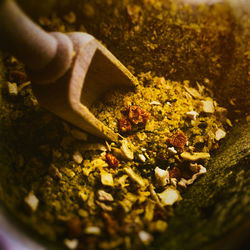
x=178 y=139
x=112 y=161
x=175 y=173
x=125 y=125
x=137 y=115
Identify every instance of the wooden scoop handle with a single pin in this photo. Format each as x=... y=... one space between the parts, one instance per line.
x=47 y=56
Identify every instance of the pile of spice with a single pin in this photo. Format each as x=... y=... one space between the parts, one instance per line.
x=93 y=194
x=70 y=186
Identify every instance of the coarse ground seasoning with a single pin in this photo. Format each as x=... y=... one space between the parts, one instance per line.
x=71 y=187
x=106 y=194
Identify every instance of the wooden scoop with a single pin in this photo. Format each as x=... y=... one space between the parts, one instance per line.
x=69 y=72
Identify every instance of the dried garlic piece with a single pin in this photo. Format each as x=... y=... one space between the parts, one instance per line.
x=192 y=115
x=193 y=92
x=162 y=176
x=71 y=243
x=142 y=157
x=207 y=106
x=107 y=179
x=155 y=103
x=169 y=196
x=183 y=182
x=126 y=149
x=219 y=134
x=194 y=156
x=104 y=207
x=93 y=230
x=32 y=201
x=104 y=196
x=172 y=150
x=145 y=237
x=12 y=88
x=77 y=157
x=138 y=179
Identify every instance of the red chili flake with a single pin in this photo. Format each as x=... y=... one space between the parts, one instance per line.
x=112 y=161
x=175 y=173
x=137 y=115
x=125 y=125
x=178 y=139
x=18 y=76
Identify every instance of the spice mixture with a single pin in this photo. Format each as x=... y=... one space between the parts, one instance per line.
x=93 y=194
x=85 y=191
